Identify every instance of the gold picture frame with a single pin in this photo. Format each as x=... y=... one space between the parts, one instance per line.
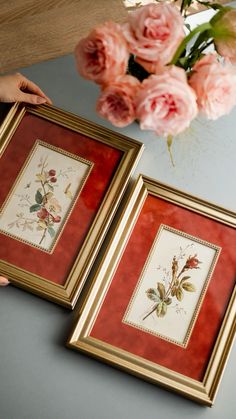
x=105 y=161
x=195 y=370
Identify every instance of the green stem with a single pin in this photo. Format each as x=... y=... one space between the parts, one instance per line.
x=192 y=58
x=169 y=144
x=43 y=236
x=199 y=41
x=150 y=312
x=201 y=28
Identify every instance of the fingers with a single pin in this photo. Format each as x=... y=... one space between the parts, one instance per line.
x=30 y=86
x=30 y=98
x=3 y=281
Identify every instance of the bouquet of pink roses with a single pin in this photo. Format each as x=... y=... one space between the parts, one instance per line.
x=149 y=69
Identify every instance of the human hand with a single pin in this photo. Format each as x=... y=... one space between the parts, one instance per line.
x=17 y=88
x=3 y=281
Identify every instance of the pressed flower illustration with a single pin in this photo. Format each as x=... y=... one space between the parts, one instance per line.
x=38 y=206
x=45 y=206
x=165 y=295
x=171 y=287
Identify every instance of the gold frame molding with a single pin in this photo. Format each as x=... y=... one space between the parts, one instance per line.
x=201 y=391
x=68 y=294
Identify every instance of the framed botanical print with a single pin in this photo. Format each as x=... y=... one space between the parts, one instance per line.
x=62 y=178
x=162 y=302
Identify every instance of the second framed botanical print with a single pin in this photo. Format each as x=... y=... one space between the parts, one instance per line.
x=162 y=303
x=168 y=307
x=62 y=179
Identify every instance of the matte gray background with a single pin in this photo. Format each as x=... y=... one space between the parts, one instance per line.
x=39 y=377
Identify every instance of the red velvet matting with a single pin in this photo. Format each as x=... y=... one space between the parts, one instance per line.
x=55 y=267
x=191 y=361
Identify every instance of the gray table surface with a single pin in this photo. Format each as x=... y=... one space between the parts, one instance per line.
x=39 y=377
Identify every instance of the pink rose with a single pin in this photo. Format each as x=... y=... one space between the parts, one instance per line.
x=117 y=101
x=103 y=55
x=226 y=43
x=154 y=32
x=166 y=103
x=215 y=86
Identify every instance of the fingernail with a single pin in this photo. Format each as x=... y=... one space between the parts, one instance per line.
x=3 y=281
x=40 y=100
x=49 y=100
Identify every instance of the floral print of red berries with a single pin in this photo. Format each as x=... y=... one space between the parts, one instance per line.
x=46 y=206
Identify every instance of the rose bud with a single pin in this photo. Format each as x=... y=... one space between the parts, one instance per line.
x=224 y=24
x=174 y=266
x=192 y=262
x=52 y=172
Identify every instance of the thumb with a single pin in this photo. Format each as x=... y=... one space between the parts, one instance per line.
x=30 y=98
x=3 y=281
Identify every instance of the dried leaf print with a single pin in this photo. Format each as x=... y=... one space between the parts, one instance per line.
x=68 y=192
x=188 y=286
x=35 y=207
x=46 y=209
x=161 y=290
x=152 y=294
x=166 y=292
x=38 y=197
x=179 y=294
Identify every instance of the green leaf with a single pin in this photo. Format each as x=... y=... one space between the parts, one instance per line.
x=159 y=310
x=164 y=309
x=35 y=207
x=184 y=279
x=188 y=286
x=182 y=61
x=188 y=26
x=214 y=6
x=199 y=29
x=161 y=290
x=153 y=295
x=136 y=69
x=51 y=231
x=38 y=197
x=179 y=294
x=50 y=187
x=168 y=301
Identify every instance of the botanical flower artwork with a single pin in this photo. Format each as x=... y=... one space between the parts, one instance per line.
x=171 y=289
x=43 y=196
